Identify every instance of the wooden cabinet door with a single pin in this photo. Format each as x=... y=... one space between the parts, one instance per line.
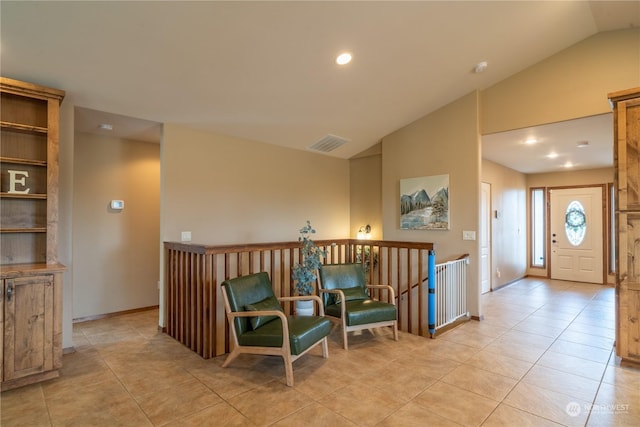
x=28 y=326
x=627 y=136
x=633 y=323
x=2 y=287
x=628 y=285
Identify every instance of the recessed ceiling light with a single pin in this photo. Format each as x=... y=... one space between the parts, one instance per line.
x=568 y=165
x=480 y=67
x=106 y=126
x=552 y=155
x=343 y=58
x=531 y=141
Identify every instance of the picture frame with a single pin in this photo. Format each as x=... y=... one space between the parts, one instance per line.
x=424 y=203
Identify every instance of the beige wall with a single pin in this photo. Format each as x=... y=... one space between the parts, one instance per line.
x=115 y=253
x=227 y=190
x=365 y=178
x=571 y=84
x=444 y=142
x=588 y=177
x=509 y=230
x=579 y=177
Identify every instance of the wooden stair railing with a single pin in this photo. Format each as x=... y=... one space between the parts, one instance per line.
x=193 y=274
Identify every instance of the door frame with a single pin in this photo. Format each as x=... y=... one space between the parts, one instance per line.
x=486 y=227
x=604 y=225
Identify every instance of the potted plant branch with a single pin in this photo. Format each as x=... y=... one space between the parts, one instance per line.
x=305 y=272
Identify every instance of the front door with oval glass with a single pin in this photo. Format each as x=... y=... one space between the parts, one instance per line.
x=576 y=234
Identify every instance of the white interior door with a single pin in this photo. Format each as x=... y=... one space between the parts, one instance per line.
x=485 y=238
x=576 y=234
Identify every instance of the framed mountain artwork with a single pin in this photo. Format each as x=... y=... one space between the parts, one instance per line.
x=424 y=203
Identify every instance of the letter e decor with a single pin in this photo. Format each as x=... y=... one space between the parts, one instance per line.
x=22 y=180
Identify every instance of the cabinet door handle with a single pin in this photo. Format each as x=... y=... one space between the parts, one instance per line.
x=9 y=291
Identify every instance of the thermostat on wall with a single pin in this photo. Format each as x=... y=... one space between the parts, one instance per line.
x=117 y=204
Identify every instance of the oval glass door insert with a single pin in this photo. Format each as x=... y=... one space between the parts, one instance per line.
x=575 y=223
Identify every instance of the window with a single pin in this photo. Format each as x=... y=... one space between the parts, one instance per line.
x=575 y=223
x=537 y=227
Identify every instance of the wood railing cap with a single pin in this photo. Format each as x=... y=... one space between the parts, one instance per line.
x=244 y=247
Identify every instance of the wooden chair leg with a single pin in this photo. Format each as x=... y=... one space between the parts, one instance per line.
x=344 y=336
x=288 y=369
x=325 y=347
x=235 y=353
x=395 y=331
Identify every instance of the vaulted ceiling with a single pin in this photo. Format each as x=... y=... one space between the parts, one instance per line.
x=266 y=71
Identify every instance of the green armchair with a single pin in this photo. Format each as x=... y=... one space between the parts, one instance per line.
x=346 y=299
x=259 y=325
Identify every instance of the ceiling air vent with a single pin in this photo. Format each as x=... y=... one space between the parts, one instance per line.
x=328 y=143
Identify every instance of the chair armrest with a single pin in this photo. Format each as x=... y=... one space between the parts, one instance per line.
x=392 y=292
x=333 y=291
x=343 y=309
x=306 y=298
x=285 y=326
x=278 y=313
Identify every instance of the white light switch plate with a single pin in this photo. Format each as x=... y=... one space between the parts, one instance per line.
x=186 y=236
x=117 y=204
x=468 y=235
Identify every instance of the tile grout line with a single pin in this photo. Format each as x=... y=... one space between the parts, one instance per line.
x=599 y=385
x=538 y=359
x=121 y=383
x=556 y=339
x=501 y=402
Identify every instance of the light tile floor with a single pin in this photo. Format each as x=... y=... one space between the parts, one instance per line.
x=542 y=357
